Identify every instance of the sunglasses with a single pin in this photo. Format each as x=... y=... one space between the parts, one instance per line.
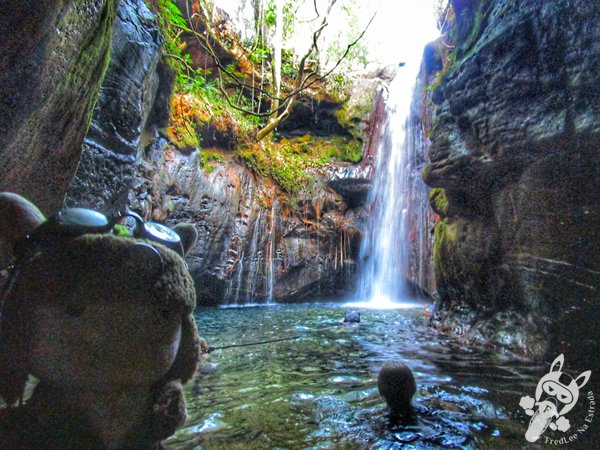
x=73 y=222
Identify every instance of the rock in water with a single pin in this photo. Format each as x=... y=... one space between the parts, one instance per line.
x=351 y=317
x=397 y=386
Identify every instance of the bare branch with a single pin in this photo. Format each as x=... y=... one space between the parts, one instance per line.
x=339 y=61
x=302 y=81
x=203 y=41
x=303 y=86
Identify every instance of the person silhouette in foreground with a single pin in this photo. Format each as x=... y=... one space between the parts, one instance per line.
x=397 y=386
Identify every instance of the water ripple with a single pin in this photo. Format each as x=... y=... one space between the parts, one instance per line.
x=320 y=390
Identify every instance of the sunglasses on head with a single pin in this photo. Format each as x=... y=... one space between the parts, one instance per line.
x=72 y=222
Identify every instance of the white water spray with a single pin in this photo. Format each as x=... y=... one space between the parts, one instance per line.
x=392 y=251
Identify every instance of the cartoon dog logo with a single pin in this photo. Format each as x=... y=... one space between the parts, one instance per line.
x=556 y=394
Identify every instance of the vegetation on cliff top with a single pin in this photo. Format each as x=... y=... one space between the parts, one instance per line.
x=230 y=93
x=257 y=76
x=290 y=161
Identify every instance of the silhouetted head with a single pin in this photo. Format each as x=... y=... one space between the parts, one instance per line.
x=397 y=386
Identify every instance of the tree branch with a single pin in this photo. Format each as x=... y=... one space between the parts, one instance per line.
x=302 y=80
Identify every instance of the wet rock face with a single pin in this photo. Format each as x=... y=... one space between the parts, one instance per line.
x=111 y=146
x=53 y=59
x=515 y=145
x=250 y=246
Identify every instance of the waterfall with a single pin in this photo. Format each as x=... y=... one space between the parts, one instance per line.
x=269 y=252
x=394 y=252
x=253 y=275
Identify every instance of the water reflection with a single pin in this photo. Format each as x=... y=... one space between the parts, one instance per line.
x=319 y=390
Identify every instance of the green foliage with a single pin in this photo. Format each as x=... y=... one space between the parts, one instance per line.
x=270 y=15
x=197 y=98
x=288 y=68
x=260 y=53
x=209 y=160
x=188 y=79
x=438 y=201
x=194 y=81
x=289 y=162
x=170 y=22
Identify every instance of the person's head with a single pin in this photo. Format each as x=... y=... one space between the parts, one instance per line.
x=397 y=386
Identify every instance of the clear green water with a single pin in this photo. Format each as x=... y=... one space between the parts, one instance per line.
x=320 y=391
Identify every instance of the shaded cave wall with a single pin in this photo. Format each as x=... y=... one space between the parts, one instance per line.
x=53 y=59
x=515 y=155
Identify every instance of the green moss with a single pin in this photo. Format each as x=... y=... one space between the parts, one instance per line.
x=93 y=59
x=184 y=135
x=438 y=201
x=444 y=237
x=209 y=159
x=349 y=151
x=289 y=161
x=426 y=171
x=282 y=164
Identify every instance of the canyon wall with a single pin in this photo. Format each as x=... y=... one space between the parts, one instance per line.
x=54 y=55
x=126 y=114
x=515 y=156
x=251 y=248
x=256 y=243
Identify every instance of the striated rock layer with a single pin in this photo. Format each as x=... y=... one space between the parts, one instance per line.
x=515 y=132
x=251 y=248
x=52 y=59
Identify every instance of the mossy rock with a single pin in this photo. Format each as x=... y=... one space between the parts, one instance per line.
x=438 y=201
x=443 y=238
x=356 y=111
x=209 y=160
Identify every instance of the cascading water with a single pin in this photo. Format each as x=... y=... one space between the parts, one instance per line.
x=394 y=250
x=253 y=255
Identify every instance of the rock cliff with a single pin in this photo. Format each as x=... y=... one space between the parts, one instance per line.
x=515 y=133
x=257 y=241
x=53 y=59
x=120 y=121
x=251 y=246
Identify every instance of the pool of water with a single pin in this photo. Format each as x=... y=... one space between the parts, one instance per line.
x=319 y=389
